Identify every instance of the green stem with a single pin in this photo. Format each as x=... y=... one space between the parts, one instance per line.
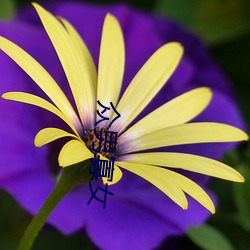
x=71 y=177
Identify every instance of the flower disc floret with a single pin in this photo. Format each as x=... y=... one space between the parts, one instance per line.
x=92 y=140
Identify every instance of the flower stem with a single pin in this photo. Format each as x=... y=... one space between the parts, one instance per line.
x=71 y=177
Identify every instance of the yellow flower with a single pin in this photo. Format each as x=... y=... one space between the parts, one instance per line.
x=165 y=126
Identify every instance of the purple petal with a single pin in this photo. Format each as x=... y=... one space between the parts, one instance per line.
x=137 y=213
x=144 y=217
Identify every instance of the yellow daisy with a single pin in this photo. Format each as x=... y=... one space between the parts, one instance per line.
x=165 y=126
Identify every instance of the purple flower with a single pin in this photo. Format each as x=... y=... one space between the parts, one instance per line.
x=138 y=214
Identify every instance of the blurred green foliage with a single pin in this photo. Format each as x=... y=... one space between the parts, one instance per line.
x=216 y=21
x=14 y=220
x=7 y=8
x=224 y=25
x=202 y=237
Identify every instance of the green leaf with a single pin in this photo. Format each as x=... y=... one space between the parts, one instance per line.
x=71 y=177
x=7 y=9
x=209 y=238
x=215 y=21
x=241 y=194
x=234 y=57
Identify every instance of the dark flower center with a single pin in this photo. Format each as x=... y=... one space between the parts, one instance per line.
x=102 y=141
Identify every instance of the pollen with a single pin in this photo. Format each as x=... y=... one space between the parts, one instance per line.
x=102 y=142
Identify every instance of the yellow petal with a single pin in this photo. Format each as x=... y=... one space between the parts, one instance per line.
x=48 y=135
x=194 y=163
x=178 y=111
x=111 y=63
x=42 y=78
x=147 y=82
x=189 y=133
x=71 y=59
x=191 y=188
x=39 y=102
x=117 y=173
x=171 y=184
x=159 y=178
x=86 y=58
x=73 y=152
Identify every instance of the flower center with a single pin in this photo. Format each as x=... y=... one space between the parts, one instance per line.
x=102 y=141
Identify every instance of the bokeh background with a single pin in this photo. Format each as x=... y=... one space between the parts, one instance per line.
x=224 y=27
